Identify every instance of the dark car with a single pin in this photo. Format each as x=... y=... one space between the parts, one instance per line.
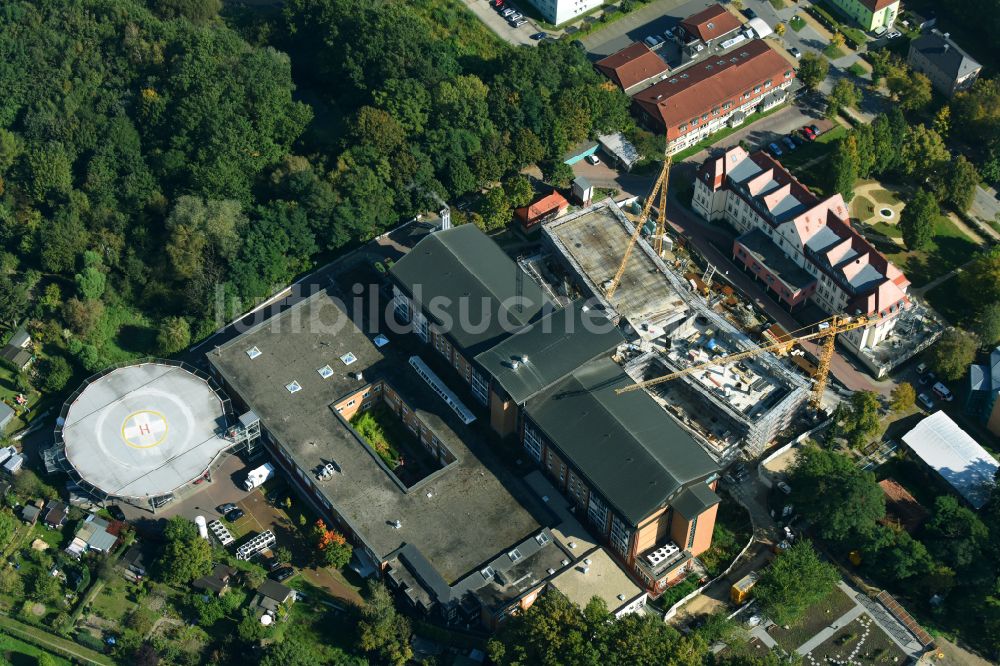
x=283 y=573
x=116 y=512
x=928 y=379
x=226 y=508
x=749 y=13
x=815 y=130
x=234 y=515
x=275 y=564
x=540 y=35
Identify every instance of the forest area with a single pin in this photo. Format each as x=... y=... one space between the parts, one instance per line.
x=163 y=166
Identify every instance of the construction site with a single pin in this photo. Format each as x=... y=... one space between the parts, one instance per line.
x=675 y=324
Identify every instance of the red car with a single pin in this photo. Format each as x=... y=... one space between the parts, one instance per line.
x=808 y=133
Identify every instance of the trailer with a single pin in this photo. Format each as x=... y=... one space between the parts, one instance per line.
x=257 y=477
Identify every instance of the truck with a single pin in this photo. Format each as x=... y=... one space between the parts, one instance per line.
x=257 y=477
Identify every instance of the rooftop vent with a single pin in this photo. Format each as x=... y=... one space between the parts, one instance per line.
x=524 y=358
x=253 y=353
x=348 y=358
x=551 y=571
x=621 y=597
x=572 y=545
x=325 y=372
x=585 y=570
x=564 y=562
x=587 y=561
x=293 y=386
x=397 y=524
x=359 y=376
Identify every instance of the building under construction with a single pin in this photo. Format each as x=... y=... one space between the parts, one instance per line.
x=735 y=408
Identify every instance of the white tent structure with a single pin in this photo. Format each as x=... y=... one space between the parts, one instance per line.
x=959 y=459
x=760 y=27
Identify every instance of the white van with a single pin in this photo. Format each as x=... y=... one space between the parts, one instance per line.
x=941 y=391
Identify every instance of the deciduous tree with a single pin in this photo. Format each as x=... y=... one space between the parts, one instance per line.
x=903 y=397
x=174 y=335
x=911 y=89
x=796 y=580
x=960 y=182
x=917 y=220
x=951 y=355
x=813 y=69
x=831 y=492
x=382 y=631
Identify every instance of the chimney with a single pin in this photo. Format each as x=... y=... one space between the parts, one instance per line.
x=445 y=214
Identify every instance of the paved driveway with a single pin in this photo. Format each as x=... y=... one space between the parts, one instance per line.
x=986 y=206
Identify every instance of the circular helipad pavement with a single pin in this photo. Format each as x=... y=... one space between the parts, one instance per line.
x=144 y=430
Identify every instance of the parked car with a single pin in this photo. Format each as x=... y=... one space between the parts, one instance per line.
x=928 y=379
x=540 y=35
x=926 y=401
x=775 y=149
x=519 y=22
x=226 y=508
x=788 y=142
x=943 y=392
x=275 y=565
x=592 y=159
x=797 y=138
x=749 y=13
x=507 y=12
x=893 y=34
x=234 y=515
x=516 y=16
x=795 y=53
x=653 y=41
x=808 y=133
x=816 y=130
x=116 y=512
x=921 y=368
x=283 y=574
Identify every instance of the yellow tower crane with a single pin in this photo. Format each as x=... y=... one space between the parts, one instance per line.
x=826 y=333
x=660 y=186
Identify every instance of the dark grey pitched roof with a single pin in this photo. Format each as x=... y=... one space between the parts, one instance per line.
x=626 y=446
x=471 y=281
x=271 y=589
x=555 y=345
x=695 y=499
x=945 y=55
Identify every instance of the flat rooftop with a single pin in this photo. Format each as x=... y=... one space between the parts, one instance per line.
x=457 y=519
x=593 y=242
x=144 y=430
x=597 y=575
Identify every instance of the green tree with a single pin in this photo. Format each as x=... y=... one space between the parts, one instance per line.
x=51 y=170
x=186 y=555
x=942 y=121
x=955 y=535
x=861 y=419
x=10 y=149
x=57 y=373
x=174 y=335
x=796 y=580
x=8 y=523
x=834 y=495
x=843 y=170
x=382 y=631
x=895 y=556
x=844 y=95
x=495 y=209
x=91 y=283
x=558 y=173
x=982 y=277
x=813 y=69
x=987 y=324
x=960 y=182
x=951 y=355
x=196 y=11
x=923 y=153
x=911 y=89
x=903 y=397
x=519 y=191
x=46 y=659
x=917 y=220
x=13 y=301
x=977 y=113
x=283 y=555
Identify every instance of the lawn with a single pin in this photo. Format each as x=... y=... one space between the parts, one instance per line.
x=816 y=618
x=861 y=642
x=834 y=52
x=678 y=591
x=949 y=249
x=796 y=23
x=857 y=69
x=942 y=298
x=113 y=602
x=890 y=230
x=17 y=652
x=778 y=4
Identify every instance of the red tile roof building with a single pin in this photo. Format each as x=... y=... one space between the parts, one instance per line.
x=633 y=65
x=548 y=207
x=902 y=508
x=722 y=90
x=711 y=24
x=803 y=248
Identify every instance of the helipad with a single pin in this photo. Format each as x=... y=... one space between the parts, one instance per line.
x=144 y=430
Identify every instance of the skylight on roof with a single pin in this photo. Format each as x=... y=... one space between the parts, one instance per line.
x=293 y=386
x=325 y=372
x=514 y=555
x=542 y=538
x=348 y=358
x=253 y=353
x=381 y=340
x=487 y=573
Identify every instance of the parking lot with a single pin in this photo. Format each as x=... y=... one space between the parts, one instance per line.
x=498 y=24
x=654 y=18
